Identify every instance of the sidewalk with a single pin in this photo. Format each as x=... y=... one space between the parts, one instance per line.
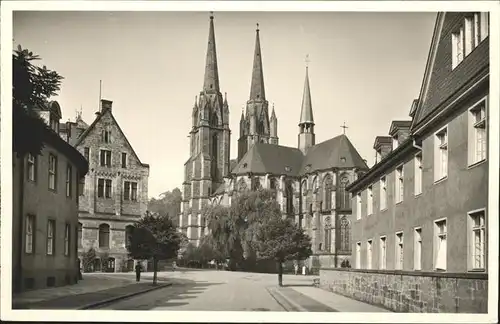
x=94 y=290
x=312 y=299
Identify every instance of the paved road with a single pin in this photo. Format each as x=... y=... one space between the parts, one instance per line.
x=210 y=290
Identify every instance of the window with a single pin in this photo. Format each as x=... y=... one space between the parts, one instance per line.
x=104 y=236
x=104 y=188
x=477 y=240
x=399 y=251
x=52 y=172
x=345 y=234
x=50 y=236
x=418 y=174
x=69 y=182
x=66 y=240
x=482 y=20
x=358 y=255
x=344 y=196
x=86 y=153
x=105 y=158
x=395 y=142
x=441 y=155
x=417 y=249
x=106 y=136
x=289 y=198
x=328 y=239
x=124 y=160
x=383 y=252
x=32 y=166
x=327 y=199
x=54 y=124
x=80 y=235
x=383 y=193
x=358 y=206
x=29 y=234
x=272 y=183
x=130 y=191
x=457 y=39
x=81 y=186
x=369 y=254
x=399 y=184
x=369 y=201
x=440 y=245
x=477 y=133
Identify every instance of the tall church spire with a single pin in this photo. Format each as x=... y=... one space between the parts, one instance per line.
x=306 y=113
x=211 y=81
x=257 y=88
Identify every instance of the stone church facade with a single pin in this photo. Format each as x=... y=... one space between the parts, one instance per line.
x=113 y=194
x=310 y=180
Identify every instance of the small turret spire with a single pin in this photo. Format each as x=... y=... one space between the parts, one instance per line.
x=196 y=101
x=306 y=113
x=273 y=114
x=211 y=81
x=257 y=90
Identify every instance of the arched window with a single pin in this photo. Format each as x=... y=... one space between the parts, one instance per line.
x=215 y=119
x=344 y=197
x=242 y=185
x=256 y=183
x=303 y=187
x=128 y=234
x=289 y=197
x=104 y=236
x=345 y=235
x=327 y=192
x=272 y=183
x=80 y=235
x=215 y=157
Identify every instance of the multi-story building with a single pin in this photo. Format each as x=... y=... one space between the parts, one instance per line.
x=114 y=193
x=422 y=208
x=45 y=210
x=310 y=179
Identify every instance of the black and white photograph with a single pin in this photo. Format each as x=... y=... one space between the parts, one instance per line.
x=245 y=161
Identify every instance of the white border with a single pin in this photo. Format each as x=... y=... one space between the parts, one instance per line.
x=183 y=316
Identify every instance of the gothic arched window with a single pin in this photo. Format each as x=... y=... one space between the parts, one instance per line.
x=345 y=234
x=272 y=183
x=344 y=198
x=289 y=197
x=303 y=187
x=215 y=160
x=327 y=192
x=256 y=183
x=242 y=185
x=104 y=236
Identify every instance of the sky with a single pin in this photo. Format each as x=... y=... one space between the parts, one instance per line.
x=365 y=69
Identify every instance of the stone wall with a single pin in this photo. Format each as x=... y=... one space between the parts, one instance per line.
x=405 y=291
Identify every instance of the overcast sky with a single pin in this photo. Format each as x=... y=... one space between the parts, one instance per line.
x=365 y=69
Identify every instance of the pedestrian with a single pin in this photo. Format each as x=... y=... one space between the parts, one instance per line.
x=304 y=270
x=138 y=269
x=174 y=265
x=296 y=267
x=80 y=277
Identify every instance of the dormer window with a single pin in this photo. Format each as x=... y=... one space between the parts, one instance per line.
x=395 y=142
x=469 y=35
x=288 y=169
x=245 y=165
x=54 y=124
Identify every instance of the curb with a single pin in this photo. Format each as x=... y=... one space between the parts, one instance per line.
x=287 y=303
x=113 y=299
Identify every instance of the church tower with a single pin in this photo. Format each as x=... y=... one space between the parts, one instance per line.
x=255 y=124
x=208 y=163
x=306 y=124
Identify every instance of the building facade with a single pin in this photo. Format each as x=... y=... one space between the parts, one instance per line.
x=45 y=210
x=422 y=209
x=114 y=193
x=310 y=180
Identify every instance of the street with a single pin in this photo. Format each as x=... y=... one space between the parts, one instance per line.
x=207 y=290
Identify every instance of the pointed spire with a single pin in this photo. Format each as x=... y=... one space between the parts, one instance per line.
x=273 y=114
x=242 y=114
x=306 y=114
x=195 y=102
x=211 y=81
x=225 y=98
x=257 y=87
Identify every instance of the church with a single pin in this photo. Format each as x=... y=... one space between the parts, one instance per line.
x=310 y=179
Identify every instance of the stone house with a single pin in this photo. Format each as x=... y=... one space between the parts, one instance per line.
x=45 y=210
x=421 y=212
x=114 y=194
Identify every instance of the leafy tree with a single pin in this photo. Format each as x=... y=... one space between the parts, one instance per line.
x=169 y=204
x=154 y=238
x=281 y=240
x=32 y=86
x=88 y=258
x=104 y=257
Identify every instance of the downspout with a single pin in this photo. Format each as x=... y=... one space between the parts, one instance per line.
x=415 y=145
x=19 y=277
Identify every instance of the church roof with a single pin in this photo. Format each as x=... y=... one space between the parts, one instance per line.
x=337 y=152
x=270 y=158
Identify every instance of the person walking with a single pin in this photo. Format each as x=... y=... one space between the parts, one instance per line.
x=296 y=267
x=138 y=269
x=79 y=266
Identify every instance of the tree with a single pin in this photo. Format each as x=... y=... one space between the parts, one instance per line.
x=154 y=238
x=88 y=258
x=281 y=240
x=169 y=204
x=32 y=86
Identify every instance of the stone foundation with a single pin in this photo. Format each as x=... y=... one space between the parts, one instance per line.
x=408 y=291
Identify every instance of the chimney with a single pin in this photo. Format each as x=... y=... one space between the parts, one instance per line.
x=383 y=146
x=105 y=105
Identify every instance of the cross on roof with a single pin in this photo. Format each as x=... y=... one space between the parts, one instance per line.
x=344 y=127
x=307 y=60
